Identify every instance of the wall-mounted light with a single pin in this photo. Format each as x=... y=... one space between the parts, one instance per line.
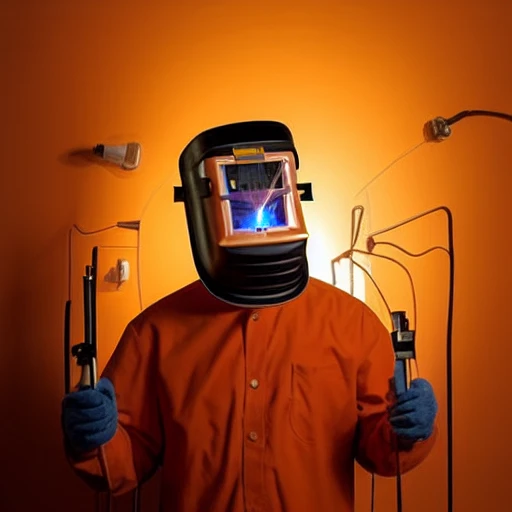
x=127 y=156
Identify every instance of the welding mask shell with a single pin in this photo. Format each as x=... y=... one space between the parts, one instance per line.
x=243 y=208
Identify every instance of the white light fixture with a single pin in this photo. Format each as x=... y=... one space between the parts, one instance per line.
x=127 y=156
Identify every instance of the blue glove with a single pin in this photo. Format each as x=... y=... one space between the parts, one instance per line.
x=413 y=415
x=89 y=416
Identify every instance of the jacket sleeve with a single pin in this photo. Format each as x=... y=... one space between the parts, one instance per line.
x=379 y=450
x=134 y=453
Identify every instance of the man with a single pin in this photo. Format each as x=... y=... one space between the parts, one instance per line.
x=256 y=387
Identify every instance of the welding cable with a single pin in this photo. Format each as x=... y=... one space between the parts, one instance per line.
x=356 y=224
x=406 y=153
x=355 y=231
x=349 y=254
x=435 y=130
x=377 y=287
x=67 y=371
x=67 y=350
x=483 y=113
x=136 y=225
x=371 y=244
x=67 y=312
x=396 y=262
x=449 y=328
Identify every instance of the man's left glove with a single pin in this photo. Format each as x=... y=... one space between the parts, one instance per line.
x=413 y=415
x=89 y=416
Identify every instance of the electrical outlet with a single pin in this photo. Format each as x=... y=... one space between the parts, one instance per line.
x=123 y=271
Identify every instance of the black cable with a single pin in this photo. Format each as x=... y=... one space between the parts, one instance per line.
x=449 y=336
x=67 y=347
x=373 y=493
x=95 y=231
x=436 y=130
x=471 y=113
x=398 y=481
x=136 y=499
x=67 y=322
x=108 y=502
x=449 y=371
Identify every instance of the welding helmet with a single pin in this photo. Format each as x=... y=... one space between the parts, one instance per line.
x=242 y=204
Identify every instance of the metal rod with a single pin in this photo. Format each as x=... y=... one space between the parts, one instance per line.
x=67 y=347
x=136 y=500
x=89 y=324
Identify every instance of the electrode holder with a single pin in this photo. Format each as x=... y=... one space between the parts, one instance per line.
x=402 y=337
x=84 y=353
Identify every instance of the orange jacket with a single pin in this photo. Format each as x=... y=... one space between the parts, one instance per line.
x=251 y=410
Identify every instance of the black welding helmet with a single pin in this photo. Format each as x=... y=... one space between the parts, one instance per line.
x=243 y=208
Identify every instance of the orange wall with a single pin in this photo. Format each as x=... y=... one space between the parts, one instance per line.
x=355 y=81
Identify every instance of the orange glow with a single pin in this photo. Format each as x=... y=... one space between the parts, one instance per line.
x=355 y=82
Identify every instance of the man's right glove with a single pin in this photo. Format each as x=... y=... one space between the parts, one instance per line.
x=89 y=416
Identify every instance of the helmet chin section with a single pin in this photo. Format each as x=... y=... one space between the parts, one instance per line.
x=260 y=276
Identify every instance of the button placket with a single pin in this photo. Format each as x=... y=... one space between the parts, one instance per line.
x=256 y=333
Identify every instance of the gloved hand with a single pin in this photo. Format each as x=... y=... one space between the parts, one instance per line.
x=89 y=416
x=413 y=415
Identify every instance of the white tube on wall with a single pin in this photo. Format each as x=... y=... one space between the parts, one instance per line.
x=127 y=156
